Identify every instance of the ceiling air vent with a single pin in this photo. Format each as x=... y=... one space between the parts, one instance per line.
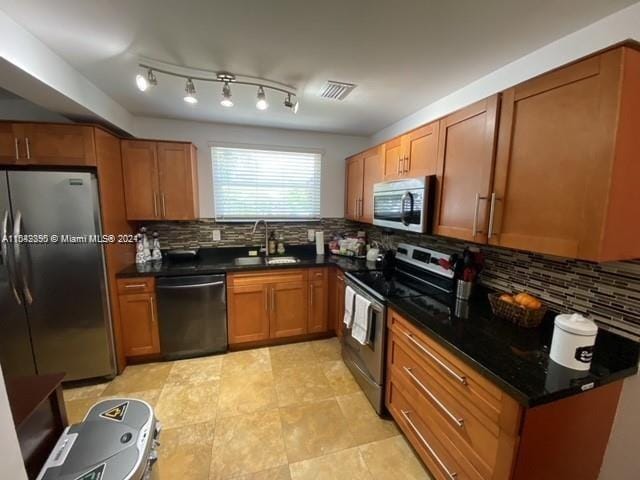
x=336 y=90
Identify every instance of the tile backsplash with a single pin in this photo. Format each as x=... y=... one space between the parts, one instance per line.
x=607 y=292
x=238 y=234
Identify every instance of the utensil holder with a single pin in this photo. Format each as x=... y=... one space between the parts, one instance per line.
x=464 y=289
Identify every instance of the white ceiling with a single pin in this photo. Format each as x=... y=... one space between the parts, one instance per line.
x=403 y=54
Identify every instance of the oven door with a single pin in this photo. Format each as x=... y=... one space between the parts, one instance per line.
x=402 y=205
x=366 y=362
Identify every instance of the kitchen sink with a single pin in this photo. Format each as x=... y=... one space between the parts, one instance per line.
x=282 y=260
x=248 y=261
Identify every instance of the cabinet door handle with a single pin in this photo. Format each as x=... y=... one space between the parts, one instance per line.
x=135 y=285
x=266 y=300
x=26 y=144
x=311 y=293
x=458 y=421
x=273 y=300
x=442 y=365
x=399 y=165
x=476 y=211
x=449 y=473
x=407 y=163
x=17 y=144
x=492 y=214
x=164 y=207
x=153 y=313
x=155 y=204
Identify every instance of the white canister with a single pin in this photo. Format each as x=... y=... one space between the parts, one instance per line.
x=573 y=339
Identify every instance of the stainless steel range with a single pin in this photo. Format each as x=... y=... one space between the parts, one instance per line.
x=418 y=273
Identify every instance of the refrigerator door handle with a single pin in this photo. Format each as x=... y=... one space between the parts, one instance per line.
x=4 y=256
x=17 y=252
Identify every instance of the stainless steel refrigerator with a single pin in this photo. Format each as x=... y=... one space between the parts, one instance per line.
x=54 y=312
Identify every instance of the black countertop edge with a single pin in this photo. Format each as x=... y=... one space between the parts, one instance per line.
x=585 y=381
x=221 y=260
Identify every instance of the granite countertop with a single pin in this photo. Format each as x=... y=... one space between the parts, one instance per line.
x=516 y=358
x=221 y=260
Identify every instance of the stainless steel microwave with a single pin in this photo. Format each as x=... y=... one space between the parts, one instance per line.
x=404 y=204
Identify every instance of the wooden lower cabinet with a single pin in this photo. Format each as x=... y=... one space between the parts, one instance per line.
x=288 y=309
x=318 y=301
x=465 y=427
x=248 y=313
x=336 y=300
x=139 y=319
x=276 y=304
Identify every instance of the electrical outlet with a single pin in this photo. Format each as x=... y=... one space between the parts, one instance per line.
x=311 y=235
x=215 y=235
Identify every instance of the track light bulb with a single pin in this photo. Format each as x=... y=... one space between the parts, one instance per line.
x=226 y=96
x=144 y=83
x=141 y=83
x=190 y=88
x=289 y=103
x=261 y=104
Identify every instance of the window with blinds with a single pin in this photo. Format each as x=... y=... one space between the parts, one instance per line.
x=251 y=183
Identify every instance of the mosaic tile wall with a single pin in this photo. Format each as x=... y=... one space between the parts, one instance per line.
x=199 y=233
x=607 y=292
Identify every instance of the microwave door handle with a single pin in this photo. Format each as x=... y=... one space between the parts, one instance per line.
x=402 y=210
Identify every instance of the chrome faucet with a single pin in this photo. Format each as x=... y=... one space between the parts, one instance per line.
x=266 y=235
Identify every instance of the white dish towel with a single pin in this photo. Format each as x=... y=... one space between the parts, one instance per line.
x=361 y=320
x=349 y=299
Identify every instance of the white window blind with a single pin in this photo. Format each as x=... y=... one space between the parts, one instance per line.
x=250 y=183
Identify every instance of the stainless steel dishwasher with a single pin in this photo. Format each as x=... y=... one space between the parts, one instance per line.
x=192 y=314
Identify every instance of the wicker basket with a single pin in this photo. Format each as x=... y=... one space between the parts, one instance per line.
x=516 y=314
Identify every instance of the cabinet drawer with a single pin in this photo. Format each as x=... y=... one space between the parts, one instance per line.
x=475 y=435
x=268 y=276
x=459 y=380
x=136 y=285
x=442 y=458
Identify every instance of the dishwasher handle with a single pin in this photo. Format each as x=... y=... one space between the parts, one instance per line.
x=192 y=285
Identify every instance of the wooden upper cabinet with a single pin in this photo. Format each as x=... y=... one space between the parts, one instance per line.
x=160 y=180
x=354 y=184
x=288 y=309
x=372 y=174
x=54 y=144
x=248 y=313
x=58 y=144
x=392 y=158
x=420 y=151
x=465 y=171
x=177 y=179
x=10 y=143
x=139 y=169
x=567 y=168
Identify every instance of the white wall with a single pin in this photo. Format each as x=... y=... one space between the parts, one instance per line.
x=335 y=148
x=621 y=458
x=25 y=111
x=10 y=456
x=620 y=26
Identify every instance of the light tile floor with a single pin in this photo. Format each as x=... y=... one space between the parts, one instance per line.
x=290 y=412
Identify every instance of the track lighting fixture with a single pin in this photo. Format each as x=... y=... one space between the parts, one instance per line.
x=226 y=96
x=145 y=82
x=289 y=103
x=261 y=104
x=190 y=89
